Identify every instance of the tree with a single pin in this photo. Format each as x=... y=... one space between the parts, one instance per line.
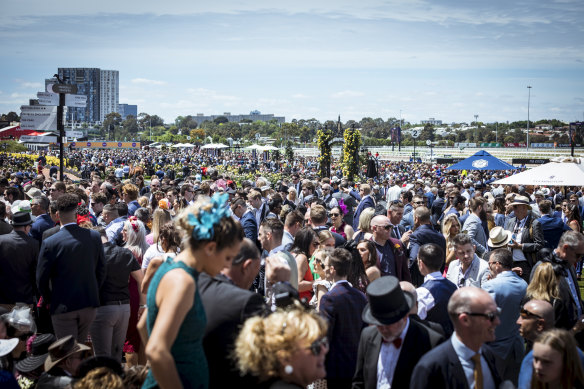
x=220 y=119
x=427 y=132
x=111 y=124
x=325 y=136
x=130 y=124
x=10 y=117
x=198 y=134
x=289 y=152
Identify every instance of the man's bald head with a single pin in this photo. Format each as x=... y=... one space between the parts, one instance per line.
x=543 y=309
x=380 y=220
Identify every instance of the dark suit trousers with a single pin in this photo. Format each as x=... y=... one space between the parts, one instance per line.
x=339 y=383
x=74 y=323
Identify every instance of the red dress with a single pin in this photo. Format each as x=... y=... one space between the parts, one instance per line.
x=308 y=293
x=133 y=341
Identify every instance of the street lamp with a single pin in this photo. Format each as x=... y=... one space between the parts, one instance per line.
x=528 y=100
x=477 y=129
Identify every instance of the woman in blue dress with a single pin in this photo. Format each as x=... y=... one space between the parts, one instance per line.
x=176 y=317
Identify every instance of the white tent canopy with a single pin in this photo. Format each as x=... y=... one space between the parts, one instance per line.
x=254 y=147
x=562 y=172
x=269 y=148
x=215 y=146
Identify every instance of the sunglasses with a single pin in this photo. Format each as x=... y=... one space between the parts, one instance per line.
x=386 y=228
x=335 y=214
x=491 y=316
x=525 y=314
x=317 y=346
x=418 y=202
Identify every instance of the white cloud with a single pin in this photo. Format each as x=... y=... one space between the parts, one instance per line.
x=145 y=81
x=31 y=85
x=347 y=93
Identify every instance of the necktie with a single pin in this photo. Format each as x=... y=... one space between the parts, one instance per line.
x=396 y=232
x=478 y=371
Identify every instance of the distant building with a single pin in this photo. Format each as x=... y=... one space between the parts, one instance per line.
x=127 y=109
x=432 y=121
x=109 y=93
x=253 y=116
x=101 y=88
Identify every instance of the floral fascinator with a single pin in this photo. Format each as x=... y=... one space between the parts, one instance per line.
x=209 y=215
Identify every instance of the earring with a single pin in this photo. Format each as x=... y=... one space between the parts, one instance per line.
x=288 y=369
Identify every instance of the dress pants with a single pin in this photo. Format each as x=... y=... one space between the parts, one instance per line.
x=108 y=330
x=74 y=323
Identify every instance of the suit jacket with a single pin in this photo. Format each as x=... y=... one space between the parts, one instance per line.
x=250 y=227
x=441 y=368
x=366 y=202
x=418 y=341
x=71 y=269
x=401 y=229
x=552 y=228
x=226 y=307
x=474 y=228
x=422 y=235
x=5 y=228
x=342 y=306
x=41 y=224
x=531 y=236
x=508 y=291
x=18 y=261
x=51 y=231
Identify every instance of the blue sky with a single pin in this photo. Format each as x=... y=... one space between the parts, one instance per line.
x=444 y=59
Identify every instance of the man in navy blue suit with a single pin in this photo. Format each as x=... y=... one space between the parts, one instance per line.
x=552 y=226
x=71 y=268
x=456 y=362
x=342 y=306
x=423 y=233
x=366 y=202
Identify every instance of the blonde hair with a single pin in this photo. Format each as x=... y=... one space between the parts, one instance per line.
x=448 y=221
x=159 y=218
x=100 y=378
x=545 y=284
x=323 y=236
x=264 y=341
x=563 y=342
x=365 y=220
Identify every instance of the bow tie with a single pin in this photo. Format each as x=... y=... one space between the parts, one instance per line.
x=397 y=342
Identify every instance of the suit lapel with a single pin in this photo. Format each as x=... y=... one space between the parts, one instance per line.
x=372 y=358
x=455 y=366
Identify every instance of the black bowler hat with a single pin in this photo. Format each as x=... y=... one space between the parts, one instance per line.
x=387 y=302
x=21 y=219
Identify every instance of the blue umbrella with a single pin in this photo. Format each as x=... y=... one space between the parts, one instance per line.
x=481 y=161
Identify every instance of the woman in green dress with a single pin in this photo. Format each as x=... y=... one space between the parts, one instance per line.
x=176 y=317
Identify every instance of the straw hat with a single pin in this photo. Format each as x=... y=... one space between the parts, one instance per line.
x=499 y=237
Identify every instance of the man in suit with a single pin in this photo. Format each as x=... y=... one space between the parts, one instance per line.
x=366 y=202
x=70 y=271
x=40 y=208
x=391 y=253
x=436 y=209
x=423 y=233
x=247 y=219
x=527 y=235
x=5 y=228
x=434 y=293
x=18 y=260
x=228 y=303
x=473 y=225
x=464 y=359
x=467 y=269
x=342 y=306
x=508 y=290
x=395 y=212
x=552 y=227
x=393 y=343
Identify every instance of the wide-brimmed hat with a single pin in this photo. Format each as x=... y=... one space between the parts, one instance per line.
x=387 y=302
x=63 y=349
x=499 y=237
x=38 y=354
x=21 y=219
x=7 y=345
x=34 y=192
x=521 y=200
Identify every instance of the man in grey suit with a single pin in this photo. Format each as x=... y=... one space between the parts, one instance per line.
x=473 y=225
x=70 y=271
x=508 y=290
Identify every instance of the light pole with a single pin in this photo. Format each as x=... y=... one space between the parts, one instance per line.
x=528 y=100
x=477 y=129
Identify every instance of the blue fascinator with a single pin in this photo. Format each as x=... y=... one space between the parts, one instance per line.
x=209 y=215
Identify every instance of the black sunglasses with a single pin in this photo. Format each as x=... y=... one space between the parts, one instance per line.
x=316 y=346
x=335 y=214
x=491 y=315
x=386 y=228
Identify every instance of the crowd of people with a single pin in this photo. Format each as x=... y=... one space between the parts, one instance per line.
x=411 y=279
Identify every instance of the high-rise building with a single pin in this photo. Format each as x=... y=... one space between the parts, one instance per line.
x=101 y=88
x=127 y=109
x=109 y=93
